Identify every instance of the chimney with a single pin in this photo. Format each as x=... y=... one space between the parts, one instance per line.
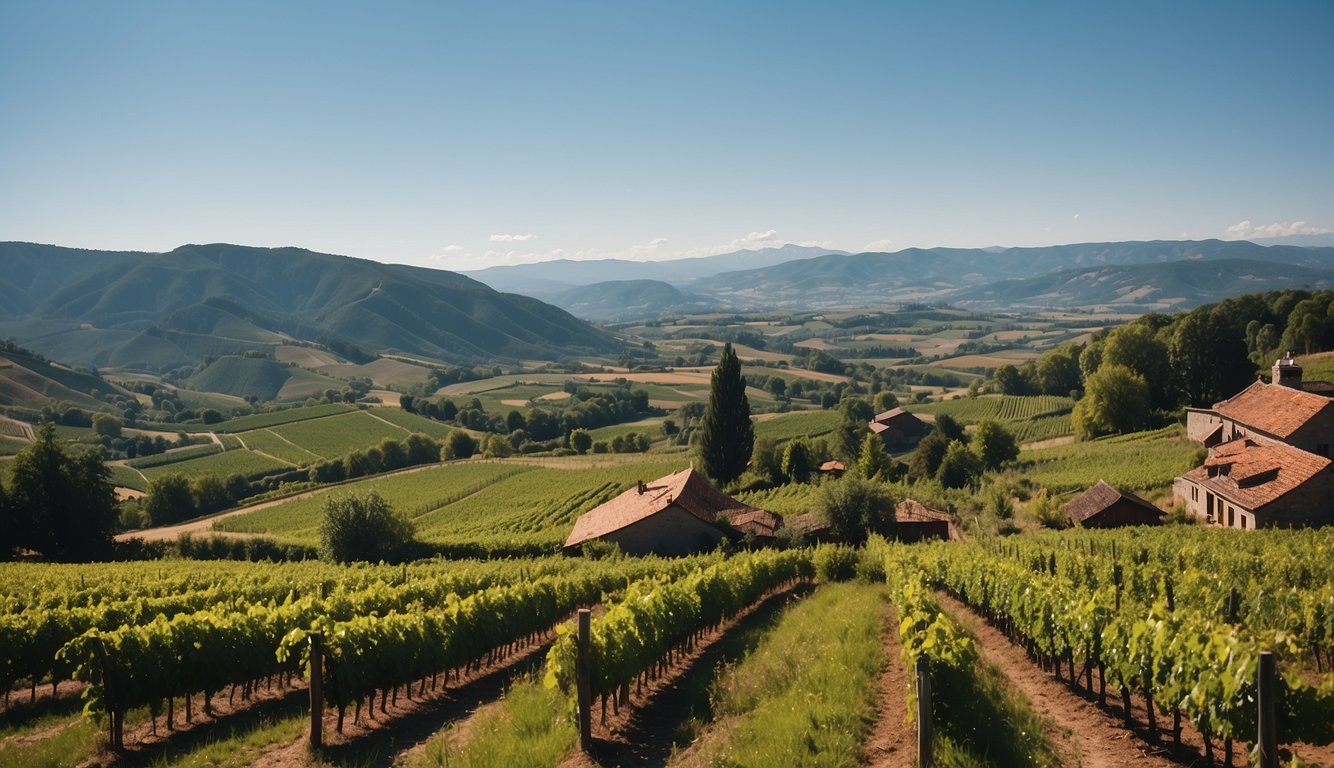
x=1287 y=372
x=640 y=486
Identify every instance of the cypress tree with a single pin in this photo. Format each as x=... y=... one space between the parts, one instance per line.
x=726 y=435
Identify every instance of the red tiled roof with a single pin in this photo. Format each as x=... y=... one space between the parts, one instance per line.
x=1272 y=408
x=760 y=522
x=832 y=466
x=1100 y=497
x=911 y=511
x=687 y=489
x=1254 y=472
x=893 y=415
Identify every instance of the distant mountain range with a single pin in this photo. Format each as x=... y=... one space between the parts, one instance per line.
x=158 y=311
x=1128 y=276
x=550 y=278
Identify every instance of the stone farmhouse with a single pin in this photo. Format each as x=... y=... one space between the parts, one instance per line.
x=1269 y=455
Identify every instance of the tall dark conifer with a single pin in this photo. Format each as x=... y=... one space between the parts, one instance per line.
x=726 y=436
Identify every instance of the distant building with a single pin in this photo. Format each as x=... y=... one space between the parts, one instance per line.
x=1103 y=506
x=915 y=521
x=679 y=514
x=897 y=428
x=835 y=468
x=1253 y=482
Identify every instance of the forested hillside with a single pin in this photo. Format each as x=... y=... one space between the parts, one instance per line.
x=156 y=312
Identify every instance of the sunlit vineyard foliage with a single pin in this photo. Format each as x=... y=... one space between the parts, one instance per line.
x=796 y=424
x=1139 y=461
x=1029 y=418
x=1150 y=610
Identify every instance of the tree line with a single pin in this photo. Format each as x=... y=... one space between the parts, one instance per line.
x=1140 y=374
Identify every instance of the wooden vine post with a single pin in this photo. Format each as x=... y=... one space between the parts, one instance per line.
x=316 y=689
x=923 y=713
x=1268 y=735
x=584 y=681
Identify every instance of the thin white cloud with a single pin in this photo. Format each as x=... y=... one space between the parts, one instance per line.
x=1076 y=217
x=876 y=246
x=512 y=238
x=657 y=241
x=1245 y=230
x=451 y=248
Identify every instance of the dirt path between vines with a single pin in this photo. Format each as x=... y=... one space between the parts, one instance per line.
x=892 y=742
x=1085 y=735
x=647 y=731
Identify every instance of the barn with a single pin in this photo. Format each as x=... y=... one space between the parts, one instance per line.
x=679 y=514
x=915 y=521
x=897 y=428
x=1103 y=506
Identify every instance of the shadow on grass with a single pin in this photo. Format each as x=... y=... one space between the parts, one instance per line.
x=984 y=718
x=676 y=713
x=22 y=712
x=381 y=746
x=229 y=727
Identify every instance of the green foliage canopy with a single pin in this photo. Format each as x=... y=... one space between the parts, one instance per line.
x=363 y=528
x=726 y=435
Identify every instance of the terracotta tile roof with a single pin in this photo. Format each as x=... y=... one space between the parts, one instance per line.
x=760 y=522
x=832 y=466
x=911 y=511
x=1272 y=408
x=808 y=522
x=896 y=415
x=686 y=489
x=1254 y=473
x=1100 y=497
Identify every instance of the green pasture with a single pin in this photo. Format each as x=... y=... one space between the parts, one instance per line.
x=797 y=424
x=270 y=442
x=335 y=436
x=415 y=492
x=286 y=416
x=411 y=422
x=240 y=462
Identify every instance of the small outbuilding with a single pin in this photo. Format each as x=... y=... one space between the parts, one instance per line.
x=897 y=428
x=679 y=514
x=915 y=521
x=1103 y=506
x=832 y=468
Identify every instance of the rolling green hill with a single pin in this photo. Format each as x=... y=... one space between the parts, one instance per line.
x=626 y=299
x=30 y=382
x=160 y=311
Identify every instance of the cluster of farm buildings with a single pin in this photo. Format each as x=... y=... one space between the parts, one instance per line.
x=1268 y=465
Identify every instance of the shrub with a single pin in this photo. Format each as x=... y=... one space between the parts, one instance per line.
x=363 y=528
x=856 y=507
x=836 y=563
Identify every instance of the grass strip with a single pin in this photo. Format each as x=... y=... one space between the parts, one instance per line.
x=531 y=727
x=806 y=695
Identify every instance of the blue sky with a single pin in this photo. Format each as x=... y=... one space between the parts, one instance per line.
x=462 y=135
